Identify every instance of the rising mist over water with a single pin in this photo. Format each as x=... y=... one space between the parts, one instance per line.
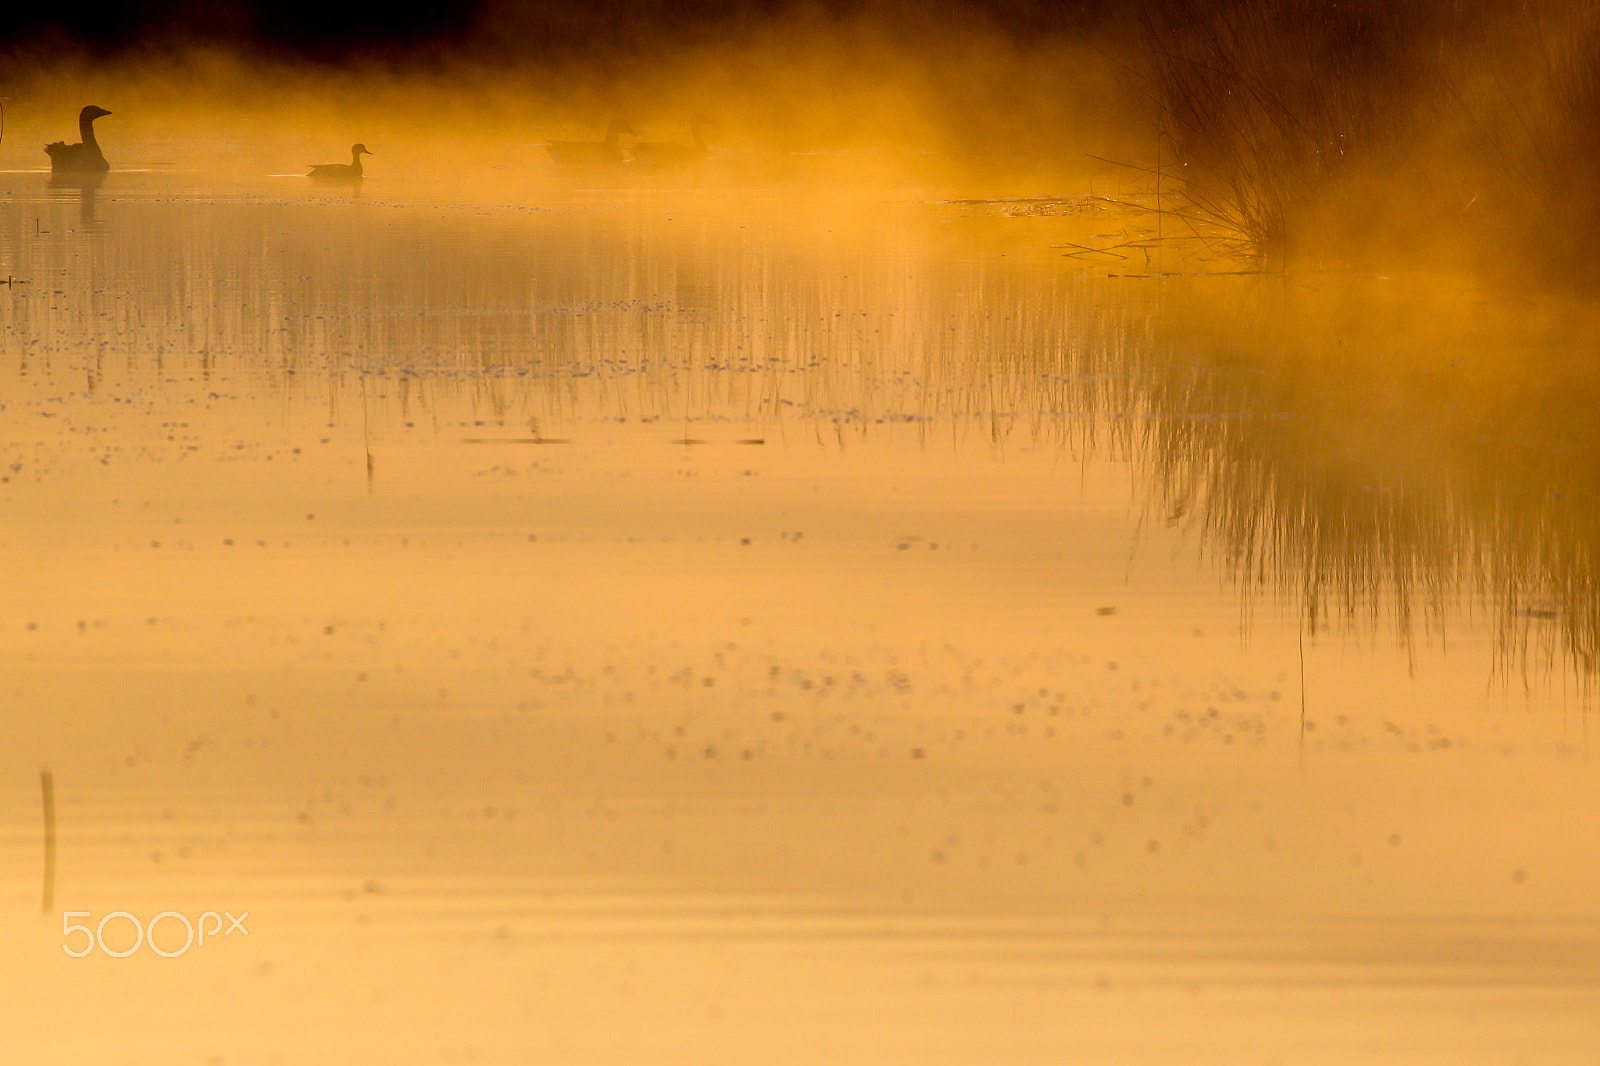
x=961 y=84
x=1409 y=133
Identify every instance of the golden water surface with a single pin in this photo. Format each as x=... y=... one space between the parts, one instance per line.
x=601 y=619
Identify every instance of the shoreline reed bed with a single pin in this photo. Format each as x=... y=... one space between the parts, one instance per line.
x=1404 y=131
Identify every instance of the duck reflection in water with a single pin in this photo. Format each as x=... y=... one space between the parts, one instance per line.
x=604 y=153
x=87 y=185
x=82 y=158
x=341 y=172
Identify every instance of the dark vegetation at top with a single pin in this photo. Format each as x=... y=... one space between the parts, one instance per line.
x=334 y=31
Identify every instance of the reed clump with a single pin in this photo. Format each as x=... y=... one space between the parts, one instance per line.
x=1261 y=106
x=1388 y=126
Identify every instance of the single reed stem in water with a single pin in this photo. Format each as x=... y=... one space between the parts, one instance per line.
x=48 y=789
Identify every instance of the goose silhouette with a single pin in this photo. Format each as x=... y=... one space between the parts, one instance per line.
x=672 y=153
x=84 y=158
x=592 y=153
x=350 y=171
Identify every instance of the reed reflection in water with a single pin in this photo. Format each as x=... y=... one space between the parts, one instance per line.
x=622 y=748
x=1356 y=445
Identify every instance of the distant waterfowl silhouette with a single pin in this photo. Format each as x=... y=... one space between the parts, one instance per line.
x=84 y=158
x=350 y=171
x=672 y=153
x=592 y=153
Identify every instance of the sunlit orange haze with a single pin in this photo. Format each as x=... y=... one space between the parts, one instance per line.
x=992 y=533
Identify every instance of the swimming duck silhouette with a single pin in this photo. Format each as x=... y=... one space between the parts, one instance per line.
x=672 y=153
x=84 y=158
x=592 y=153
x=350 y=171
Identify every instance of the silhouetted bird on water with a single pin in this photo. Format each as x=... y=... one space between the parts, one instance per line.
x=82 y=158
x=350 y=171
x=671 y=153
x=592 y=153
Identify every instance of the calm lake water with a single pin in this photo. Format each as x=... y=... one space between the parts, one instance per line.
x=620 y=620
